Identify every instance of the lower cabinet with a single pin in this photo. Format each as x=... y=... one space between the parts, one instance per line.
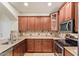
x=19 y=49
x=67 y=53
x=39 y=45
x=30 y=45
x=47 y=45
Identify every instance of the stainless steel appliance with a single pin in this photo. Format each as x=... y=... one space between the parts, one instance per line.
x=67 y=26
x=60 y=44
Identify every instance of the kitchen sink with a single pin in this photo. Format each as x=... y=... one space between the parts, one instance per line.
x=5 y=43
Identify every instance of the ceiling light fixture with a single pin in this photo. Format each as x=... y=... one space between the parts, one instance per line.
x=26 y=4
x=49 y=4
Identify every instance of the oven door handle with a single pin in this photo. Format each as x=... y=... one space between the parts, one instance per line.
x=59 y=45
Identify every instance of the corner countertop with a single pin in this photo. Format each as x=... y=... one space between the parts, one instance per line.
x=72 y=50
x=21 y=38
x=7 y=46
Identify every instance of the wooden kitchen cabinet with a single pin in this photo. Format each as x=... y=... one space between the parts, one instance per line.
x=38 y=45
x=76 y=16
x=30 y=45
x=19 y=49
x=22 y=23
x=67 y=53
x=38 y=23
x=47 y=45
x=34 y=23
x=67 y=12
x=46 y=23
x=68 y=9
x=61 y=15
x=31 y=23
x=16 y=51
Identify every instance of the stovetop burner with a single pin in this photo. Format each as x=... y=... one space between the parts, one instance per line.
x=67 y=42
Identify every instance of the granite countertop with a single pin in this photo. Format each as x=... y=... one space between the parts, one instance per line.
x=41 y=37
x=7 y=46
x=21 y=38
x=72 y=50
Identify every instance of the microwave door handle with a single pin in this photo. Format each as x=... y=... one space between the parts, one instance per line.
x=67 y=26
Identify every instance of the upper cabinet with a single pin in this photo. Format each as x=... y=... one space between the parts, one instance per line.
x=76 y=16
x=37 y=23
x=62 y=14
x=46 y=23
x=31 y=23
x=54 y=21
x=69 y=11
x=22 y=23
x=34 y=23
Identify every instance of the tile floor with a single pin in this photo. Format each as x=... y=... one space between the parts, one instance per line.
x=39 y=54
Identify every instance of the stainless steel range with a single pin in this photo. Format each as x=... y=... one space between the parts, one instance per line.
x=60 y=44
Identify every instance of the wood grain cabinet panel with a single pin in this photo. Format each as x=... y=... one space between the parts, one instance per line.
x=19 y=49
x=34 y=23
x=67 y=53
x=31 y=23
x=76 y=16
x=68 y=10
x=15 y=51
x=47 y=23
x=61 y=16
x=47 y=45
x=37 y=23
x=38 y=45
x=22 y=23
x=30 y=45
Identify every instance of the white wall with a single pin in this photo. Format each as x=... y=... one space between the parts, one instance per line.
x=6 y=25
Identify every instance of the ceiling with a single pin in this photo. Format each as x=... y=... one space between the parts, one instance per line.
x=36 y=7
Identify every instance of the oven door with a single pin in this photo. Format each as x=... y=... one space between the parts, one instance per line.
x=58 y=50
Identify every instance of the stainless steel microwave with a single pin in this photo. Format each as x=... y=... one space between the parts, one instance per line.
x=67 y=26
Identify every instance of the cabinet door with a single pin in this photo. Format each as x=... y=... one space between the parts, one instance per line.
x=38 y=45
x=47 y=45
x=61 y=16
x=46 y=23
x=15 y=51
x=76 y=16
x=22 y=47
x=37 y=23
x=30 y=45
x=31 y=23
x=42 y=23
x=68 y=10
x=22 y=22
